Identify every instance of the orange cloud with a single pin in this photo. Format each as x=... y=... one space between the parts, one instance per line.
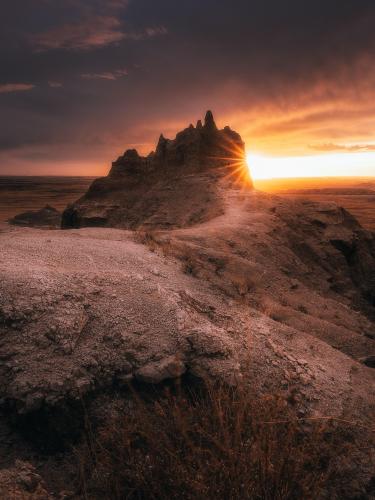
x=354 y=148
x=331 y=113
x=15 y=87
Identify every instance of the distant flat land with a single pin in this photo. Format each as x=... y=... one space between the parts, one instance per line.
x=19 y=194
x=356 y=194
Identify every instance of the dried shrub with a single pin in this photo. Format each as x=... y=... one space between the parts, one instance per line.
x=189 y=263
x=303 y=309
x=213 y=443
x=243 y=284
x=153 y=241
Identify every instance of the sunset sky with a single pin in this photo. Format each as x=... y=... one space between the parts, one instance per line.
x=81 y=81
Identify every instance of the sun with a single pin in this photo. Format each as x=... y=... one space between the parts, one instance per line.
x=327 y=165
x=269 y=167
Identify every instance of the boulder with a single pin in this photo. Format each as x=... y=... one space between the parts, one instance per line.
x=45 y=217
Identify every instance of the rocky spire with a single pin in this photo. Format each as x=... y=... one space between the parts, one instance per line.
x=209 y=122
x=199 y=125
x=131 y=154
x=162 y=145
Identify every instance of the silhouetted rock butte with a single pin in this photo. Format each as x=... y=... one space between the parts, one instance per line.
x=45 y=217
x=176 y=186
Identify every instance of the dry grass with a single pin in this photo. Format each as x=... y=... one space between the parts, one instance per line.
x=217 y=442
x=149 y=239
x=243 y=284
x=161 y=245
x=190 y=264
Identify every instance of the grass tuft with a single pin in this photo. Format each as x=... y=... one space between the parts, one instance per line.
x=213 y=442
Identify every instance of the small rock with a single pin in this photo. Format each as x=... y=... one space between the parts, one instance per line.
x=154 y=373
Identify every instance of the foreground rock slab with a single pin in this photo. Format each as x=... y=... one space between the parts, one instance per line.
x=87 y=310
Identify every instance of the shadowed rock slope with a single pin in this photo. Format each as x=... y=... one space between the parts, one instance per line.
x=175 y=186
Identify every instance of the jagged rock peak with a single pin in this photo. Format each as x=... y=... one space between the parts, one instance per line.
x=163 y=140
x=209 y=122
x=131 y=154
x=161 y=146
x=199 y=125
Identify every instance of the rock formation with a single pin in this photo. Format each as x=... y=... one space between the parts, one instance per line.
x=45 y=217
x=177 y=185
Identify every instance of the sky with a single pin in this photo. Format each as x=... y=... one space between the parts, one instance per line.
x=82 y=81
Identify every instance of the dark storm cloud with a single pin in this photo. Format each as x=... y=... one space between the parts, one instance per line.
x=272 y=67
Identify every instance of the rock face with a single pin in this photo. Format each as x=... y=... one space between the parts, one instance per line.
x=175 y=186
x=22 y=482
x=68 y=333
x=45 y=217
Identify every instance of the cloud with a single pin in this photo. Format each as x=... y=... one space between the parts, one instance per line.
x=90 y=33
x=15 y=87
x=93 y=32
x=285 y=78
x=155 y=31
x=107 y=75
x=116 y=4
x=55 y=85
x=150 y=32
x=352 y=148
